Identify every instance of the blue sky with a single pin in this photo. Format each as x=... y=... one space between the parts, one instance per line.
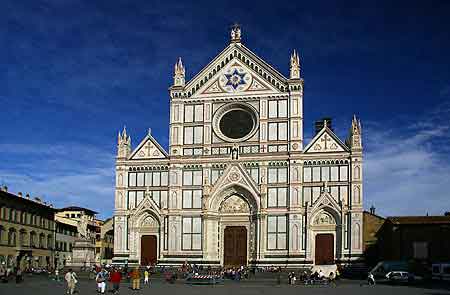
x=73 y=72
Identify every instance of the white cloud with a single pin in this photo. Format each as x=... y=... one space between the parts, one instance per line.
x=64 y=174
x=406 y=169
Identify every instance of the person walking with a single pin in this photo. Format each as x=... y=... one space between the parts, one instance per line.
x=116 y=276
x=146 y=274
x=3 y=274
x=332 y=279
x=135 y=279
x=56 y=274
x=18 y=275
x=100 y=278
x=71 y=279
x=371 y=279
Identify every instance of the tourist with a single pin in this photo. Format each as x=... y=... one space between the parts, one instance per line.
x=332 y=278
x=3 y=274
x=18 y=275
x=100 y=278
x=57 y=274
x=71 y=279
x=146 y=273
x=292 y=278
x=321 y=275
x=135 y=279
x=370 y=279
x=115 y=278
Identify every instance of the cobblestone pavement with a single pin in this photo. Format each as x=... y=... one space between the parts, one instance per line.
x=40 y=285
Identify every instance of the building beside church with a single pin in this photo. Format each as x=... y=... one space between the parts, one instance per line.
x=27 y=231
x=238 y=185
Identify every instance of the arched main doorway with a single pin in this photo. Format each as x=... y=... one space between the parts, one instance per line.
x=149 y=249
x=235 y=246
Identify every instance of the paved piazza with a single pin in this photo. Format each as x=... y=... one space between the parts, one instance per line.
x=42 y=285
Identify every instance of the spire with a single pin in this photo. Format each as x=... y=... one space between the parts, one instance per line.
x=355 y=134
x=356 y=126
x=123 y=144
x=124 y=131
x=179 y=74
x=295 y=66
x=235 y=33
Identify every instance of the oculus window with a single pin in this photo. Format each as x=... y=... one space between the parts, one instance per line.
x=235 y=122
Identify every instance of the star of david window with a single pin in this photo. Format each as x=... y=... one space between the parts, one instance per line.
x=235 y=79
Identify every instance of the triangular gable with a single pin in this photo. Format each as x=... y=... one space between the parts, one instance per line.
x=236 y=52
x=325 y=142
x=249 y=82
x=147 y=203
x=235 y=174
x=149 y=148
x=325 y=200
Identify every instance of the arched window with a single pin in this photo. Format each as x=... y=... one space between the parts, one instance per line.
x=23 y=237
x=356 y=236
x=49 y=242
x=32 y=239
x=357 y=195
x=12 y=237
x=296 y=174
x=295 y=239
x=41 y=241
x=119 y=237
x=357 y=172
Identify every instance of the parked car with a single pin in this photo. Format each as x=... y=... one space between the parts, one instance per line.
x=401 y=277
x=440 y=271
x=39 y=270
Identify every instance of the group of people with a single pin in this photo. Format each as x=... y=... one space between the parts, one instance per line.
x=235 y=273
x=316 y=276
x=8 y=272
x=111 y=275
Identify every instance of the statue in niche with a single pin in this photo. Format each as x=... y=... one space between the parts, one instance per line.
x=235 y=153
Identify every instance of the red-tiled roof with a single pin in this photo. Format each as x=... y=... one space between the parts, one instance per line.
x=419 y=219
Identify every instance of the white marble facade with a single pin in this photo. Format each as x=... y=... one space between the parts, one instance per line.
x=237 y=158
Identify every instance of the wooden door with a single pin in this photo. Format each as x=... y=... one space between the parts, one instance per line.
x=324 y=249
x=149 y=250
x=235 y=246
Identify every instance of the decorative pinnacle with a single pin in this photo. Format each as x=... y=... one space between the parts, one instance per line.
x=295 y=65
x=179 y=73
x=179 y=68
x=356 y=125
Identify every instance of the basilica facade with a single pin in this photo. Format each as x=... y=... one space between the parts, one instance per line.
x=238 y=185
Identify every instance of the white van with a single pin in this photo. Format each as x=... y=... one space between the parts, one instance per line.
x=440 y=271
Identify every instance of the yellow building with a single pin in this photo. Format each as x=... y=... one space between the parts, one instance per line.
x=27 y=231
